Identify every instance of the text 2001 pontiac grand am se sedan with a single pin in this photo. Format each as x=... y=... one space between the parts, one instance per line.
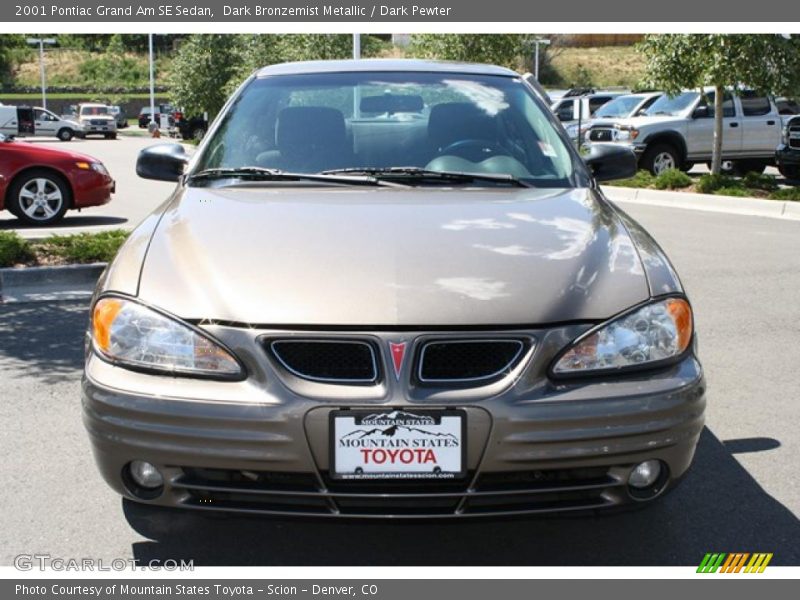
x=390 y=288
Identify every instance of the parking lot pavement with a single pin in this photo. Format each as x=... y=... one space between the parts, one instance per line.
x=134 y=199
x=742 y=493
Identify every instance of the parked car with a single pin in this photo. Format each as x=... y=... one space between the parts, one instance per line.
x=190 y=128
x=39 y=184
x=118 y=112
x=678 y=131
x=787 y=155
x=435 y=316
x=96 y=119
x=144 y=115
x=621 y=107
x=575 y=110
x=27 y=121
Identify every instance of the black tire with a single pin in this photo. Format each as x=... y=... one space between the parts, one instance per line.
x=198 y=133
x=25 y=202
x=791 y=172
x=660 y=157
x=65 y=134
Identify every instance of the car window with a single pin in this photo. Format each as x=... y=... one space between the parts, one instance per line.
x=565 y=111
x=787 y=106
x=728 y=108
x=754 y=105
x=437 y=121
x=672 y=106
x=596 y=102
x=43 y=115
x=94 y=110
x=619 y=107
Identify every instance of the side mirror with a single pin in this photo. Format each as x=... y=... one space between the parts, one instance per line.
x=608 y=162
x=701 y=112
x=163 y=162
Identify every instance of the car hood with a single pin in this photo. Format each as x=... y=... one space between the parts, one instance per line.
x=394 y=257
x=637 y=122
x=40 y=152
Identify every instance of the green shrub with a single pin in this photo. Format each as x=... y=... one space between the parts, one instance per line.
x=709 y=183
x=672 y=179
x=642 y=179
x=83 y=247
x=733 y=190
x=13 y=249
x=759 y=181
x=792 y=193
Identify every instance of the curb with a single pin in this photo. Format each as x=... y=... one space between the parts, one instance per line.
x=43 y=284
x=757 y=207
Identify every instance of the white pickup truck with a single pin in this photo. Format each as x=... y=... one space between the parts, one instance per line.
x=678 y=131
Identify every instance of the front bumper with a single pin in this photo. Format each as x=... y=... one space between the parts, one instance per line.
x=258 y=446
x=785 y=155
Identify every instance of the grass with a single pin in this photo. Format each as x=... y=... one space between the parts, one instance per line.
x=79 y=248
x=607 y=66
x=752 y=185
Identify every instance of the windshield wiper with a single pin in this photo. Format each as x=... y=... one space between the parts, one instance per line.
x=267 y=174
x=418 y=173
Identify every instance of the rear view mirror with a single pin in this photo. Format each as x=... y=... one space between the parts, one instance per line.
x=392 y=103
x=163 y=162
x=609 y=162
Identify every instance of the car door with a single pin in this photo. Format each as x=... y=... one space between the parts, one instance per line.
x=700 y=131
x=25 y=120
x=44 y=122
x=761 y=125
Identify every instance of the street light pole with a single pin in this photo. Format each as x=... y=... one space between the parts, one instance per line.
x=41 y=42
x=152 y=81
x=543 y=42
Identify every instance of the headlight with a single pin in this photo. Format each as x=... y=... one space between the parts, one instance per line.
x=785 y=136
x=653 y=333
x=627 y=134
x=100 y=168
x=130 y=334
x=572 y=131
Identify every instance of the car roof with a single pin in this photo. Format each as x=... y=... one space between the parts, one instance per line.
x=383 y=65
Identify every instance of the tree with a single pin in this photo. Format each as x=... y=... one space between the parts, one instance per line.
x=767 y=63
x=500 y=49
x=201 y=70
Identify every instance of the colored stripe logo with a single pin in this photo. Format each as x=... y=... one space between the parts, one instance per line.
x=736 y=562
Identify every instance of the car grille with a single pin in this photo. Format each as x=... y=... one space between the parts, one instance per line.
x=306 y=494
x=330 y=361
x=447 y=361
x=794 y=136
x=601 y=135
x=98 y=122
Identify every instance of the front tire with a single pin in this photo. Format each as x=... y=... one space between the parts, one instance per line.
x=65 y=134
x=660 y=157
x=743 y=167
x=791 y=172
x=39 y=197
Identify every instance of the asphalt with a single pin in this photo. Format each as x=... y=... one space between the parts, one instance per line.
x=742 y=493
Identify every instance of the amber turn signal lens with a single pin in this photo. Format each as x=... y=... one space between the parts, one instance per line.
x=681 y=314
x=105 y=311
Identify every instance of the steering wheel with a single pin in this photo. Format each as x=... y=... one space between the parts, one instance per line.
x=474 y=149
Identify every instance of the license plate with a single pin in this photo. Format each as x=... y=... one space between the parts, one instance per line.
x=398 y=444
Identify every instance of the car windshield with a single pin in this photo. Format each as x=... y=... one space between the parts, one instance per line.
x=94 y=110
x=381 y=121
x=673 y=105
x=620 y=107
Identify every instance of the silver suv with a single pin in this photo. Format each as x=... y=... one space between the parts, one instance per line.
x=678 y=131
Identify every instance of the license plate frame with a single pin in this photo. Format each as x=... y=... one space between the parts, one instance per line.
x=429 y=424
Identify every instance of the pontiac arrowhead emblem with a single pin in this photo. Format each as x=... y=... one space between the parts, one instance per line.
x=398 y=353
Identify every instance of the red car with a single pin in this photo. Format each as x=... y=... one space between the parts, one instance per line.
x=39 y=184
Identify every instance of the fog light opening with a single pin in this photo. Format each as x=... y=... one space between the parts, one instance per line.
x=647 y=479
x=143 y=479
